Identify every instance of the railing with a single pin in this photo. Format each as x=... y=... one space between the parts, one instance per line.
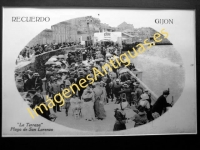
x=154 y=97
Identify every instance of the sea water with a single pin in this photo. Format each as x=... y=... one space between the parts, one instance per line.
x=162 y=68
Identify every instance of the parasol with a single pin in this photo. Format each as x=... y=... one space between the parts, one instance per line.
x=58 y=63
x=50 y=63
x=61 y=56
x=54 y=56
x=52 y=59
x=63 y=70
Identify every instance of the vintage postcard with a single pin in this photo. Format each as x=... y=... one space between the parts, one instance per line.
x=98 y=72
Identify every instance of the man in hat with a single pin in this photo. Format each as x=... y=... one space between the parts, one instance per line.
x=36 y=100
x=116 y=88
x=41 y=100
x=55 y=89
x=161 y=104
x=107 y=80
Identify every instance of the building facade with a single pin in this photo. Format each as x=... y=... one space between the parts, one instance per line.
x=82 y=30
x=76 y=30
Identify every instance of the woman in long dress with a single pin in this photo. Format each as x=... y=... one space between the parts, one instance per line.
x=104 y=95
x=99 y=102
x=88 y=98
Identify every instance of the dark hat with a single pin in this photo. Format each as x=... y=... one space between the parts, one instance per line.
x=72 y=73
x=32 y=91
x=166 y=92
x=71 y=69
x=73 y=63
x=36 y=74
x=85 y=69
x=81 y=72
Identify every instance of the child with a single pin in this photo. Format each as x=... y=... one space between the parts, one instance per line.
x=75 y=105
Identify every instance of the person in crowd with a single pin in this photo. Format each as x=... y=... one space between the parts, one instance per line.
x=144 y=102
x=59 y=79
x=88 y=108
x=137 y=93
x=67 y=100
x=99 y=102
x=113 y=75
x=104 y=95
x=55 y=89
x=75 y=105
x=116 y=88
x=161 y=104
x=37 y=99
x=141 y=117
x=38 y=81
x=127 y=90
x=149 y=95
x=120 y=120
x=42 y=100
x=81 y=76
x=27 y=83
x=107 y=81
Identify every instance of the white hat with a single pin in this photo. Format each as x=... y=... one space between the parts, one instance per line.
x=144 y=96
x=117 y=80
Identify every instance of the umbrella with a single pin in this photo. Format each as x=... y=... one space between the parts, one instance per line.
x=54 y=56
x=61 y=56
x=50 y=63
x=63 y=70
x=52 y=59
x=58 y=63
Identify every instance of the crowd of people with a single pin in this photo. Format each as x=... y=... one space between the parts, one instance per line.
x=117 y=87
x=28 y=52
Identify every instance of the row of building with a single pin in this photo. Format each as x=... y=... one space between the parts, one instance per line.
x=82 y=30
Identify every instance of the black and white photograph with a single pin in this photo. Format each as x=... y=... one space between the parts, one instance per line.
x=91 y=72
